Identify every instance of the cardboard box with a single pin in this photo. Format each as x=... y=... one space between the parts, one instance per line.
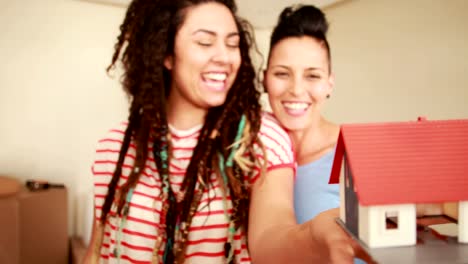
x=34 y=227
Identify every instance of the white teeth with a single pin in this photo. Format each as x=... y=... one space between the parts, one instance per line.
x=296 y=106
x=220 y=77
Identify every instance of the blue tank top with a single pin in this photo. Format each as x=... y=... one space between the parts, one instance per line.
x=312 y=193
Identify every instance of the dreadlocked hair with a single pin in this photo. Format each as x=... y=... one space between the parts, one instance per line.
x=146 y=38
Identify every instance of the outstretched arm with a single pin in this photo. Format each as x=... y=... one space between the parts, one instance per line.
x=274 y=235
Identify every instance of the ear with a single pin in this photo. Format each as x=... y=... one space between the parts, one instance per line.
x=169 y=62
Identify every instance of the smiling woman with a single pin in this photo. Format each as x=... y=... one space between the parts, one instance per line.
x=173 y=183
x=299 y=80
x=204 y=65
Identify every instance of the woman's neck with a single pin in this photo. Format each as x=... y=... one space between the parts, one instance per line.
x=316 y=140
x=183 y=115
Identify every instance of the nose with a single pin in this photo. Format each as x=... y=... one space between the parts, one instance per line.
x=221 y=54
x=297 y=86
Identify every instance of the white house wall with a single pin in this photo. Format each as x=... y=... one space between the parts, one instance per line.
x=364 y=224
x=463 y=222
x=374 y=233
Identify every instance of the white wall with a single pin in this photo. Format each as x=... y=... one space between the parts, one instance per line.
x=463 y=222
x=372 y=225
x=399 y=59
x=56 y=100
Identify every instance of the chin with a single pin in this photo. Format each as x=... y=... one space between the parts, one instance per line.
x=215 y=103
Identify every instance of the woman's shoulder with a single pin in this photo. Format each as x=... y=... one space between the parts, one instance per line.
x=268 y=116
x=273 y=144
x=106 y=156
x=273 y=135
x=113 y=137
x=269 y=124
x=271 y=128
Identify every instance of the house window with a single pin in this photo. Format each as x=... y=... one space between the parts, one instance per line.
x=391 y=220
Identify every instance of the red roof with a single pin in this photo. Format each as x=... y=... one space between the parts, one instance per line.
x=406 y=162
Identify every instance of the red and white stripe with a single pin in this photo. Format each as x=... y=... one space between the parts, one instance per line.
x=209 y=228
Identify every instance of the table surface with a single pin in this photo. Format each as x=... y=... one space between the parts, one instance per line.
x=430 y=249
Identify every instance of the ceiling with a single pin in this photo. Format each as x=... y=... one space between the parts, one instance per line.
x=261 y=13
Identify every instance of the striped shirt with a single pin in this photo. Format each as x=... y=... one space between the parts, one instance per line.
x=209 y=228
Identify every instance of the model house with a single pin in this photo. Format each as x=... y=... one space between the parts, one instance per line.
x=386 y=169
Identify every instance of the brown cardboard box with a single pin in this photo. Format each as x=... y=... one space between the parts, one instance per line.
x=34 y=227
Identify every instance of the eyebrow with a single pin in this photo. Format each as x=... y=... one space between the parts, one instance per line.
x=310 y=69
x=212 y=33
x=280 y=66
x=287 y=67
x=314 y=69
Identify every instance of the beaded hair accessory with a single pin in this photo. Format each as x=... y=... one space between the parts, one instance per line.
x=165 y=196
x=123 y=222
x=228 y=248
x=174 y=248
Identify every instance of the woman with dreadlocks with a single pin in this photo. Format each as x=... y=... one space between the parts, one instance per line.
x=173 y=184
x=198 y=169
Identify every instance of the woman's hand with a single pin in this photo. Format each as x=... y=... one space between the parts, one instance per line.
x=331 y=238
